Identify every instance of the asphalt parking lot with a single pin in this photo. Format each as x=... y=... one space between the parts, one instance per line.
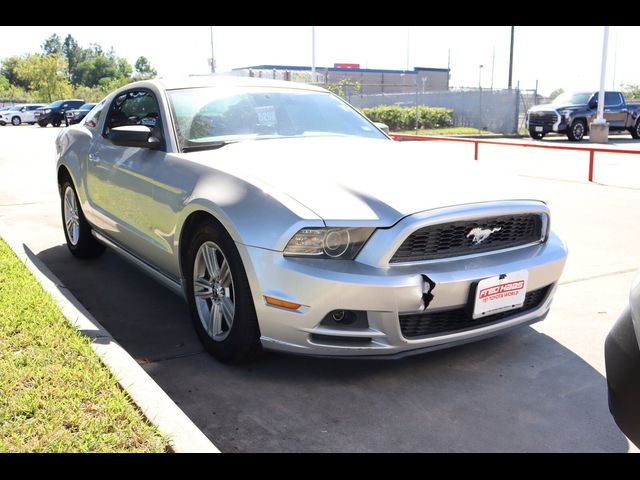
x=537 y=389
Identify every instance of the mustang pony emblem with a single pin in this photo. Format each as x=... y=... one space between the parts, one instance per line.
x=481 y=234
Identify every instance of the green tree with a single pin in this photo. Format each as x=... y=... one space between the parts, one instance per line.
x=344 y=88
x=74 y=54
x=556 y=93
x=144 y=70
x=4 y=85
x=52 y=45
x=631 y=91
x=45 y=74
x=8 y=70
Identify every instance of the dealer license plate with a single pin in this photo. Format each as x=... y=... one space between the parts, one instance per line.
x=500 y=293
x=538 y=129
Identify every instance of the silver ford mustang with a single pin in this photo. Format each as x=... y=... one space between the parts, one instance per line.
x=289 y=221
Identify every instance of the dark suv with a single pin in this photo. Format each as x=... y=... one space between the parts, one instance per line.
x=54 y=113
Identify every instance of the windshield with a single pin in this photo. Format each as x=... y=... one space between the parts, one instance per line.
x=221 y=114
x=87 y=106
x=57 y=103
x=572 y=99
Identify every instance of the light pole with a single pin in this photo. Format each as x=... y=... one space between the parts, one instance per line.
x=480 y=77
x=213 y=60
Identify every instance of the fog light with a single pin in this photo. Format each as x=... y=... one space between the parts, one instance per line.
x=338 y=315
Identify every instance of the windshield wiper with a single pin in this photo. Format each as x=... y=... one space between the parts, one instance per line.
x=205 y=146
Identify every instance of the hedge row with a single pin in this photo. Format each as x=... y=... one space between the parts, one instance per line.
x=404 y=118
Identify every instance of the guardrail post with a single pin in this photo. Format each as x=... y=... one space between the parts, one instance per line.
x=591 y=155
x=475 y=148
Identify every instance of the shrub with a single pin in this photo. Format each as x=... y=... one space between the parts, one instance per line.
x=404 y=118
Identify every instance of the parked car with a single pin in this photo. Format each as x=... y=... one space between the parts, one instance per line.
x=4 y=109
x=622 y=362
x=77 y=115
x=54 y=113
x=571 y=113
x=289 y=221
x=19 y=114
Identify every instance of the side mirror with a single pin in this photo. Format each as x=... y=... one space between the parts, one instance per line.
x=139 y=136
x=382 y=126
x=593 y=104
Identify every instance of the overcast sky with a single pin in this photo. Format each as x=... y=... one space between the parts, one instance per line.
x=558 y=57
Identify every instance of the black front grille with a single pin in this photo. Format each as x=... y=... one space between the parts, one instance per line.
x=454 y=239
x=542 y=118
x=451 y=321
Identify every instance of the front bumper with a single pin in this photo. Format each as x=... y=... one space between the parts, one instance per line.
x=622 y=361
x=384 y=293
x=559 y=126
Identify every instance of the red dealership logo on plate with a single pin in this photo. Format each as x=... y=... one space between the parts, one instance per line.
x=510 y=288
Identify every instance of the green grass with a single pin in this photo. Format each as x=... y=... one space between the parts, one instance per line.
x=55 y=394
x=447 y=131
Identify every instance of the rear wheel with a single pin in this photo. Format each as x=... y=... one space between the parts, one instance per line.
x=56 y=123
x=577 y=130
x=220 y=301
x=16 y=121
x=76 y=228
x=635 y=130
x=536 y=135
x=42 y=124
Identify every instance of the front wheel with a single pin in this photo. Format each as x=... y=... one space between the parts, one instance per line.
x=220 y=301
x=56 y=123
x=16 y=121
x=577 y=130
x=635 y=130
x=76 y=228
x=536 y=135
x=42 y=124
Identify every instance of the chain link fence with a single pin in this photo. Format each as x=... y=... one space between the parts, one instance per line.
x=493 y=110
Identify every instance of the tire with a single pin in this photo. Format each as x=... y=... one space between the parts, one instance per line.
x=56 y=123
x=635 y=130
x=577 y=130
x=77 y=231
x=235 y=336
x=15 y=121
x=43 y=124
x=2 y=124
x=536 y=135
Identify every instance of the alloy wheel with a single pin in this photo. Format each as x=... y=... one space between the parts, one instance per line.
x=71 y=216
x=213 y=291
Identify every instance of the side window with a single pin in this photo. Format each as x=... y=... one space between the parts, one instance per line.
x=612 y=99
x=93 y=117
x=133 y=108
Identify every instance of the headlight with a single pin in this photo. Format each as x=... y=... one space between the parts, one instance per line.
x=329 y=242
x=48 y=110
x=565 y=113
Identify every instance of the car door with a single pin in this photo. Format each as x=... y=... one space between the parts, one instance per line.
x=615 y=111
x=119 y=179
x=28 y=115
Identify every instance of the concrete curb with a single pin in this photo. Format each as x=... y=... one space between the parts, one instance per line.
x=155 y=404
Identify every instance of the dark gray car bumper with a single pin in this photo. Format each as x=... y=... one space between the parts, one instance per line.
x=622 y=359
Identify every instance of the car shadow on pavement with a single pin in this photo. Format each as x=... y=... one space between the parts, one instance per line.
x=519 y=392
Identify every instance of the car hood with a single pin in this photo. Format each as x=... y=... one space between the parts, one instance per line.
x=346 y=180
x=550 y=106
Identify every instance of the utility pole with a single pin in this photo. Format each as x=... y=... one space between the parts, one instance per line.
x=408 y=32
x=511 y=59
x=599 y=128
x=213 y=59
x=313 y=54
x=493 y=64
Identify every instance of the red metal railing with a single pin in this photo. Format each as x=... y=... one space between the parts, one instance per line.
x=477 y=142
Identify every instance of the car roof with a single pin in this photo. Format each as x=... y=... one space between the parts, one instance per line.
x=201 y=81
